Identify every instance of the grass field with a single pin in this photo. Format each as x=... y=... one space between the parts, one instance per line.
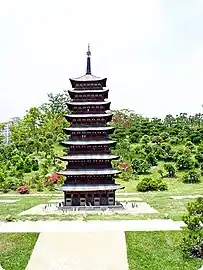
x=158 y=251
x=16 y=249
x=161 y=201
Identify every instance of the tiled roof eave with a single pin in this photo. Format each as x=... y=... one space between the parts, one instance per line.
x=74 y=91
x=89 y=172
x=86 y=103
x=85 y=157
x=91 y=128
x=83 y=142
x=89 y=187
x=88 y=115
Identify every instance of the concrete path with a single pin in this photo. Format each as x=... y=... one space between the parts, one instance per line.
x=58 y=194
x=92 y=226
x=186 y=197
x=79 y=251
x=32 y=195
x=141 y=208
x=8 y=201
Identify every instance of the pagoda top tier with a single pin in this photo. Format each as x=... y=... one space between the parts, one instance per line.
x=88 y=77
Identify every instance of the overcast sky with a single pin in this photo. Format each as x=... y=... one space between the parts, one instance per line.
x=151 y=51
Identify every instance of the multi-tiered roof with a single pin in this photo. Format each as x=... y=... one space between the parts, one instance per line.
x=89 y=169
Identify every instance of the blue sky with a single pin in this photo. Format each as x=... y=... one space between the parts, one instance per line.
x=151 y=51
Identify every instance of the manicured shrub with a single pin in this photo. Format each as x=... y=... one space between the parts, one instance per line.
x=23 y=189
x=170 y=168
x=157 y=139
x=184 y=162
x=52 y=179
x=140 y=166
x=193 y=238
x=40 y=186
x=124 y=166
x=151 y=159
x=35 y=165
x=161 y=173
x=145 y=139
x=150 y=184
x=192 y=177
x=5 y=186
x=190 y=145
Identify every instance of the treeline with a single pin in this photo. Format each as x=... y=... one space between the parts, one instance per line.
x=142 y=144
x=31 y=146
x=174 y=142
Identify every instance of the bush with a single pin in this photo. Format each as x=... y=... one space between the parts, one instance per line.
x=170 y=168
x=145 y=139
x=40 y=186
x=151 y=159
x=140 y=166
x=10 y=218
x=150 y=184
x=35 y=165
x=185 y=162
x=23 y=189
x=192 y=177
x=193 y=238
x=5 y=186
x=125 y=166
x=52 y=179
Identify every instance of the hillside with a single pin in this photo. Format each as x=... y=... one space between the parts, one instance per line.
x=168 y=150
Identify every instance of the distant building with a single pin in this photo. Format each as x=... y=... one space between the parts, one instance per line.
x=6 y=132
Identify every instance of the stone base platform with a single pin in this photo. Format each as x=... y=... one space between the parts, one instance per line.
x=124 y=208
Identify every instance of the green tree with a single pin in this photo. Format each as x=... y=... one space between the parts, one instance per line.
x=192 y=176
x=145 y=139
x=170 y=168
x=193 y=234
x=151 y=159
x=184 y=162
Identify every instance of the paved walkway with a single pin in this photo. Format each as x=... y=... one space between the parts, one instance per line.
x=79 y=251
x=41 y=209
x=58 y=194
x=186 y=197
x=92 y=226
x=7 y=201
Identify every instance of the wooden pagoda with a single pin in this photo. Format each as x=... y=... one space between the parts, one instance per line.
x=89 y=177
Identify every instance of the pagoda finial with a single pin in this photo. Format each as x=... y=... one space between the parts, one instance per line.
x=88 y=71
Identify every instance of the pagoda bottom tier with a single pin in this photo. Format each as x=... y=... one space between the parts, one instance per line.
x=89 y=195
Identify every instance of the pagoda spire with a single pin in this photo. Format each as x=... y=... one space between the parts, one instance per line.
x=88 y=71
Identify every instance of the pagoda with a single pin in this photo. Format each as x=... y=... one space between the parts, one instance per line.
x=89 y=176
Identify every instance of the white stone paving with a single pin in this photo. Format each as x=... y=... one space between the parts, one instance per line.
x=141 y=208
x=186 y=197
x=91 y=226
x=79 y=251
x=8 y=201
x=57 y=194
x=32 y=195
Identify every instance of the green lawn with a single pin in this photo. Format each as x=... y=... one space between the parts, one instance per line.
x=157 y=251
x=16 y=249
x=161 y=201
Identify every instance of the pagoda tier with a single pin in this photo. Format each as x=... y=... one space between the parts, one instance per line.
x=89 y=157
x=85 y=130
x=89 y=143
x=90 y=187
x=89 y=107
x=88 y=172
x=89 y=176
x=88 y=95
x=89 y=119
x=88 y=81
